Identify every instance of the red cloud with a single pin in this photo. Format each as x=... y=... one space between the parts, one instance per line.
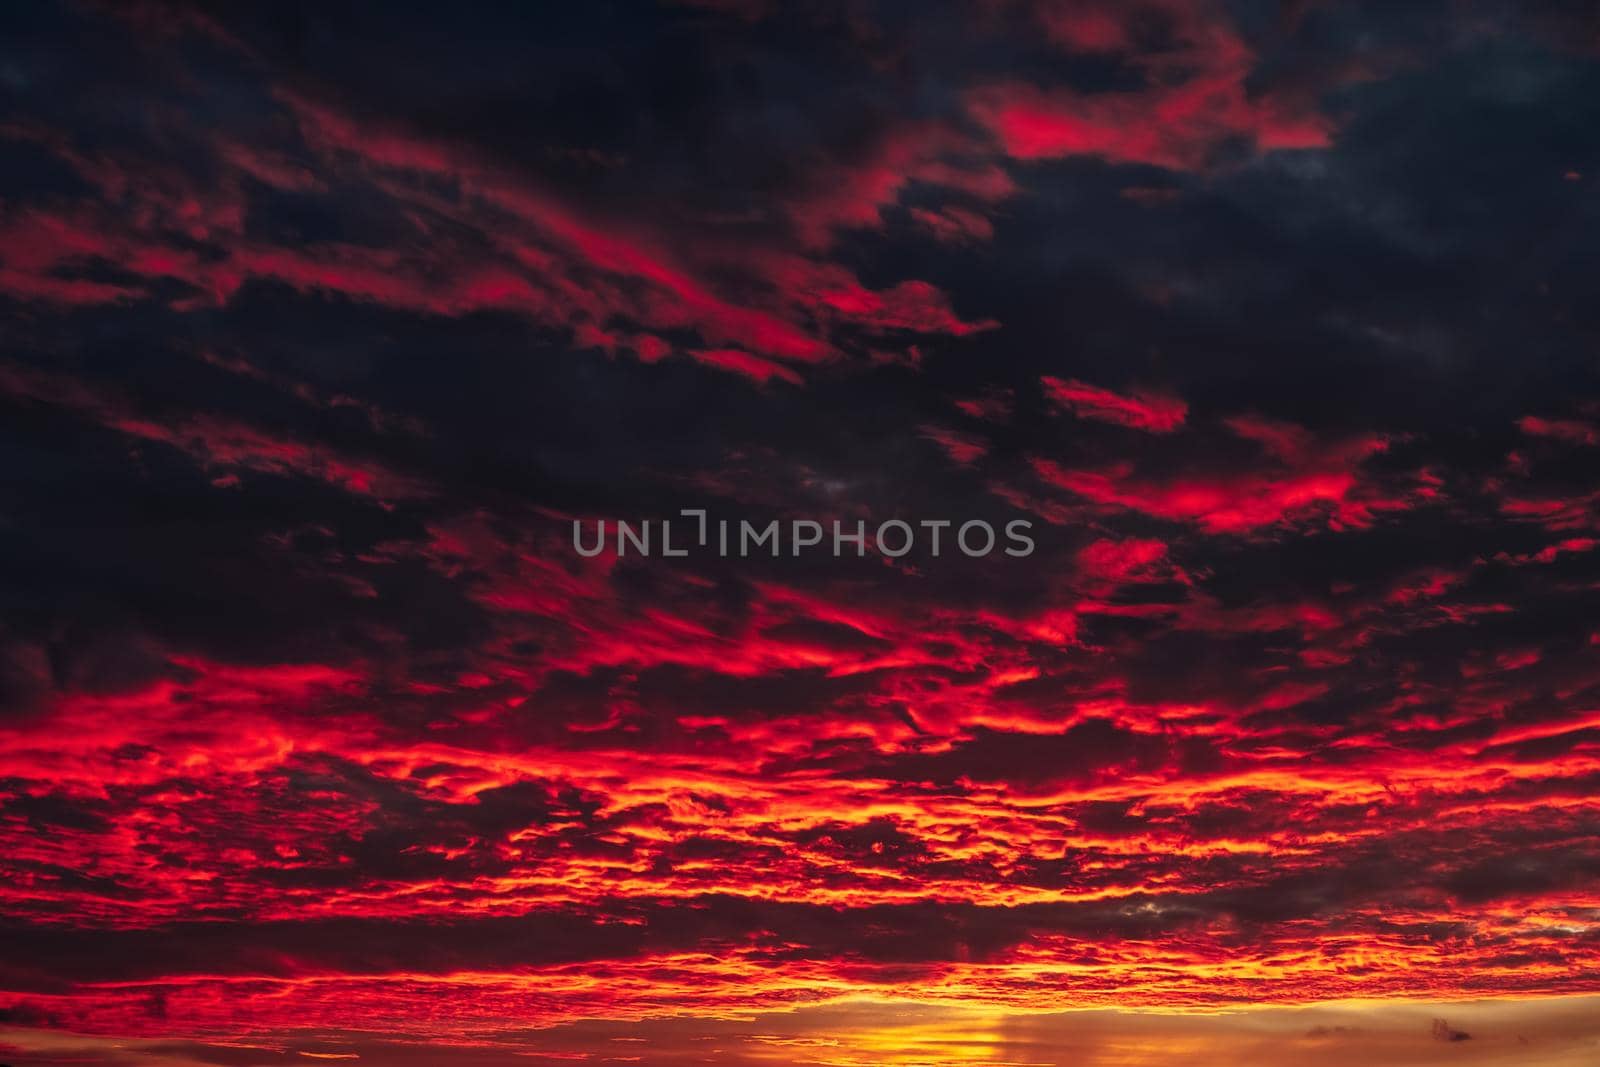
x=1299 y=483
x=752 y=367
x=1153 y=412
x=216 y=442
x=955 y=224
x=1572 y=431
x=963 y=449
x=509 y=246
x=993 y=406
x=852 y=195
x=1196 y=96
x=1177 y=129
x=1116 y=562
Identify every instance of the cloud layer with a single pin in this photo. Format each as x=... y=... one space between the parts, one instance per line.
x=323 y=328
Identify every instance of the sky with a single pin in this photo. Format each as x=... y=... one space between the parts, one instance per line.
x=324 y=325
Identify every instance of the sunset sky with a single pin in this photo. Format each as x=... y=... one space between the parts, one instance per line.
x=323 y=322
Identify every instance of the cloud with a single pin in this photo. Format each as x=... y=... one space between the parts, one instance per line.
x=1151 y=412
x=1196 y=96
x=317 y=738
